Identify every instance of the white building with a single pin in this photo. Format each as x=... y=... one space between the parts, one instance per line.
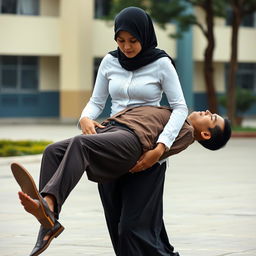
x=50 y=49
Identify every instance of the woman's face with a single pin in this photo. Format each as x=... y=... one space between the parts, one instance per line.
x=128 y=44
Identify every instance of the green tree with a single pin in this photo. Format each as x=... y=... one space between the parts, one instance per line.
x=118 y=5
x=239 y=8
x=211 y=8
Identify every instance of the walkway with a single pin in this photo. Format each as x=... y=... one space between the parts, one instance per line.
x=210 y=202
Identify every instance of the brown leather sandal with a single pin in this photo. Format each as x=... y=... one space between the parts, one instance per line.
x=27 y=185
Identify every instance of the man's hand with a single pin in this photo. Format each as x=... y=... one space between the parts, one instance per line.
x=149 y=158
x=88 y=125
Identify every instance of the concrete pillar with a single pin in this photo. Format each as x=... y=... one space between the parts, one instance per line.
x=76 y=61
x=185 y=65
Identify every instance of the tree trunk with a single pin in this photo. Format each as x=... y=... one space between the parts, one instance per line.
x=231 y=88
x=208 y=58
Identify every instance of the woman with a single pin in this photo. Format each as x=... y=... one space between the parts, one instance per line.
x=135 y=74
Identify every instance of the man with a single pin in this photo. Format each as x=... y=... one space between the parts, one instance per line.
x=123 y=140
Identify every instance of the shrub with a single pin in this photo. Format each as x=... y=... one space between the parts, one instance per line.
x=244 y=100
x=22 y=147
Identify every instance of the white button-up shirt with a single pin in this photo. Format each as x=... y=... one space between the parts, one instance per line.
x=143 y=86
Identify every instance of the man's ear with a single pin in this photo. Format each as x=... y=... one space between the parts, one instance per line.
x=206 y=135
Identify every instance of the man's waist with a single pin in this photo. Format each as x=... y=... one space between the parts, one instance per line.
x=116 y=123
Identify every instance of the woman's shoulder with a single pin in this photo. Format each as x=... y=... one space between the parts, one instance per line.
x=165 y=63
x=107 y=62
x=164 y=60
x=108 y=59
x=109 y=56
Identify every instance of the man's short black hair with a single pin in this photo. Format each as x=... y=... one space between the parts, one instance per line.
x=218 y=138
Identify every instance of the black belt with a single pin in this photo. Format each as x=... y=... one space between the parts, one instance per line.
x=115 y=123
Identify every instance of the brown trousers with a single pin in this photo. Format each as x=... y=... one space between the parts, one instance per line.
x=105 y=156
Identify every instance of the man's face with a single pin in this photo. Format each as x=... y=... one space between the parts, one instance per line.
x=203 y=120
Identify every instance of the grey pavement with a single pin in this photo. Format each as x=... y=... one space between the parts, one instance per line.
x=209 y=202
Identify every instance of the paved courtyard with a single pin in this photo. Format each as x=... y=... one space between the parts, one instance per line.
x=210 y=202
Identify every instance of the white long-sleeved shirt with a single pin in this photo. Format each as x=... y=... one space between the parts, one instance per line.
x=143 y=86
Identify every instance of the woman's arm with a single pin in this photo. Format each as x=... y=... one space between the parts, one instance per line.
x=88 y=125
x=149 y=158
x=171 y=86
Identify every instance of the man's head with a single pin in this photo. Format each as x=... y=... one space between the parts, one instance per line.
x=211 y=130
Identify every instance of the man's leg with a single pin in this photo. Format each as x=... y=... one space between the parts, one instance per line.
x=51 y=159
x=64 y=163
x=133 y=208
x=104 y=156
x=52 y=156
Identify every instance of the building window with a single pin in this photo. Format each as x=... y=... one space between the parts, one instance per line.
x=248 y=21
x=246 y=76
x=18 y=74
x=21 y=7
x=102 y=8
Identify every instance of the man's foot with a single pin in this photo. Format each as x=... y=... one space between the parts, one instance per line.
x=31 y=199
x=30 y=205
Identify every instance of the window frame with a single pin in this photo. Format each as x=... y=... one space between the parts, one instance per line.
x=36 y=11
x=243 y=70
x=243 y=22
x=19 y=68
x=102 y=8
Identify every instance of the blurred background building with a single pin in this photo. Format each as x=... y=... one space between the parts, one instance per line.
x=50 y=51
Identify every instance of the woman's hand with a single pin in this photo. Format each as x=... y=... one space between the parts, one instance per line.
x=88 y=125
x=149 y=158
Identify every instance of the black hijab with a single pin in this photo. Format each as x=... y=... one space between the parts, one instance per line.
x=138 y=23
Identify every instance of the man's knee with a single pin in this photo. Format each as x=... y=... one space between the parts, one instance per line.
x=79 y=141
x=50 y=149
x=55 y=149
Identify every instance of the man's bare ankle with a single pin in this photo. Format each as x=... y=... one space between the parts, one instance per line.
x=50 y=201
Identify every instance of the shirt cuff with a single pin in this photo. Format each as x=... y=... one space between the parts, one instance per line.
x=165 y=141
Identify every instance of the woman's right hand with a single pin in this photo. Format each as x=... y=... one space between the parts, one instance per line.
x=88 y=126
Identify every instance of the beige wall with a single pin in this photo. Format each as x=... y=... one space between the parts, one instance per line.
x=76 y=62
x=77 y=56
x=165 y=42
x=67 y=38
x=74 y=103
x=29 y=35
x=49 y=74
x=103 y=37
x=219 y=76
x=246 y=47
